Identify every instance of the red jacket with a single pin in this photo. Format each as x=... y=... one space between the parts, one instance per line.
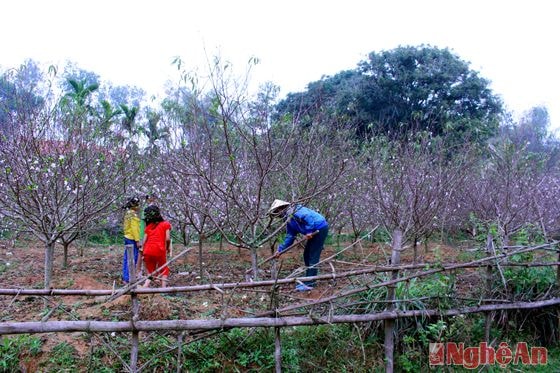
x=155 y=238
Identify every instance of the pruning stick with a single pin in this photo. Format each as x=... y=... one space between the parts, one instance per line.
x=300 y=270
x=285 y=250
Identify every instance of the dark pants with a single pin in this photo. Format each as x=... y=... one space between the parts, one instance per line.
x=312 y=253
x=125 y=273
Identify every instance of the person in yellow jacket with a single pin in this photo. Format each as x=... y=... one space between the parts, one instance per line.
x=131 y=233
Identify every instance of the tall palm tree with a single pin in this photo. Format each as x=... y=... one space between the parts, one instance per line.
x=80 y=91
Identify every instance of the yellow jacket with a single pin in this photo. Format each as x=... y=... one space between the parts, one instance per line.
x=132 y=225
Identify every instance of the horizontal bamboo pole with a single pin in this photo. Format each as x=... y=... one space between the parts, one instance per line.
x=176 y=289
x=429 y=272
x=440 y=267
x=165 y=325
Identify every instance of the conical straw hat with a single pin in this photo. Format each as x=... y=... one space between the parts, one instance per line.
x=277 y=204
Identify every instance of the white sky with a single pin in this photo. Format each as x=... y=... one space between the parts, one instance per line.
x=132 y=42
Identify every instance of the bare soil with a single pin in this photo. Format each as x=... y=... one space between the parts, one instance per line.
x=22 y=266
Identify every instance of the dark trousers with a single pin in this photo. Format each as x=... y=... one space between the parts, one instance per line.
x=312 y=253
x=125 y=273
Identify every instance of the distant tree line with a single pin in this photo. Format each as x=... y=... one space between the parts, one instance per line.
x=401 y=91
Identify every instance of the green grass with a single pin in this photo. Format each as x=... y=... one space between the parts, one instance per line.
x=221 y=252
x=3 y=267
x=16 y=350
x=63 y=357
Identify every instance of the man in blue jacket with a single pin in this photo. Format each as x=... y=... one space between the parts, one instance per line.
x=305 y=221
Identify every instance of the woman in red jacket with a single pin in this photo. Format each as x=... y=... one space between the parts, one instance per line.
x=156 y=244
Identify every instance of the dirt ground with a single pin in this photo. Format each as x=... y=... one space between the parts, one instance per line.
x=21 y=266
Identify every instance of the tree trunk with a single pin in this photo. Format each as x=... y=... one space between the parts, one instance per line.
x=254 y=263
x=338 y=238
x=49 y=259
x=184 y=235
x=390 y=324
x=200 y=263
x=65 y=258
x=426 y=246
x=415 y=246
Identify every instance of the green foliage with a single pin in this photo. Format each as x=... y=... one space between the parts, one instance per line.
x=152 y=352
x=528 y=283
x=241 y=350
x=482 y=228
x=412 y=351
x=529 y=234
x=402 y=91
x=334 y=348
x=3 y=267
x=532 y=131
x=19 y=92
x=416 y=343
x=104 y=237
x=381 y=235
x=14 y=350
x=63 y=357
x=435 y=288
x=416 y=294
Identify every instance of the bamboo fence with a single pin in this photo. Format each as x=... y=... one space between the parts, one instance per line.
x=301 y=313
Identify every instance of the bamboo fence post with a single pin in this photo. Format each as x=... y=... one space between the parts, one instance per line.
x=135 y=309
x=179 y=351
x=274 y=304
x=390 y=324
x=277 y=350
x=558 y=268
x=488 y=315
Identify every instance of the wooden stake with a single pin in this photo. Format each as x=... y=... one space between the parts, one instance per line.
x=135 y=310
x=390 y=324
x=489 y=277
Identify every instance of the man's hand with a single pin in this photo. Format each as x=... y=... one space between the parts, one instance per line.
x=277 y=254
x=309 y=236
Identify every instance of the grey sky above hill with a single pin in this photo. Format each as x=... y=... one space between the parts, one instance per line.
x=132 y=42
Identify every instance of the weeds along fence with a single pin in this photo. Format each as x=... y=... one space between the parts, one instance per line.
x=375 y=296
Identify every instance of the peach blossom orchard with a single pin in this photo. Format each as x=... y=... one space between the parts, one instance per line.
x=217 y=157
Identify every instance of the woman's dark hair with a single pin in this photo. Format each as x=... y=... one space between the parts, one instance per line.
x=152 y=214
x=133 y=202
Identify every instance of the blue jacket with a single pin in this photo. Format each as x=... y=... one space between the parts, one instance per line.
x=303 y=221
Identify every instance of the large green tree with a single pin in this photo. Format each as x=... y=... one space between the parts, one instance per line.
x=19 y=88
x=404 y=90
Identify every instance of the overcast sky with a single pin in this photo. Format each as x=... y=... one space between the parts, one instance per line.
x=132 y=42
